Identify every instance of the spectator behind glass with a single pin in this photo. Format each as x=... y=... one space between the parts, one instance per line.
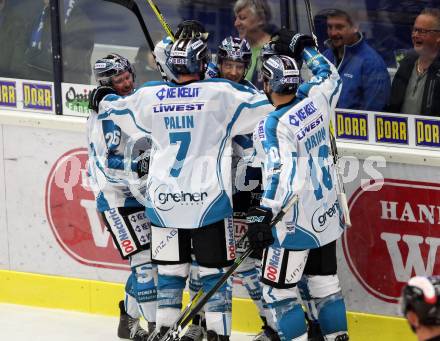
x=145 y=66
x=365 y=79
x=416 y=85
x=77 y=44
x=77 y=41
x=251 y=21
x=420 y=305
x=12 y=40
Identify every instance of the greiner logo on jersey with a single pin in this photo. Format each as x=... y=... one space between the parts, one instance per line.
x=321 y=217
x=302 y=114
x=167 y=200
x=309 y=127
x=273 y=264
x=182 y=92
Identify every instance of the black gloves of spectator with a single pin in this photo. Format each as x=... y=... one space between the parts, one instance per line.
x=98 y=94
x=290 y=44
x=142 y=167
x=259 y=228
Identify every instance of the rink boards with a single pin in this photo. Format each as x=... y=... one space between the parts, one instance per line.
x=55 y=252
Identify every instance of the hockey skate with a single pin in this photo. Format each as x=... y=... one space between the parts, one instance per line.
x=212 y=336
x=129 y=327
x=196 y=331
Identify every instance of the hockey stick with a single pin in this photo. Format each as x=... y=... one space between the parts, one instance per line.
x=201 y=298
x=342 y=197
x=134 y=8
x=161 y=19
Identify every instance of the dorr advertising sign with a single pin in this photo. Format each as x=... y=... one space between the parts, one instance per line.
x=71 y=212
x=395 y=235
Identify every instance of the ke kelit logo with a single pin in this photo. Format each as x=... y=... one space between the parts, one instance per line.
x=395 y=235
x=72 y=215
x=352 y=126
x=8 y=94
x=302 y=114
x=37 y=96
x=181 y=92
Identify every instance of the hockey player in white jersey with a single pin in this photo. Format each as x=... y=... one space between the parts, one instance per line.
x=293 y=146
x=189 y=189
x=122 y=213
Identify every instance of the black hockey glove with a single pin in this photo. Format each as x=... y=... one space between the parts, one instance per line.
x=290 y=44
x=142 y=167
x=259 y=229
x=98 y=94
x=191 y=29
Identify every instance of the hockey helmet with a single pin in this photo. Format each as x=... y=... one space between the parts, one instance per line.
x=235 y=49
x=422 y=296
x=162 y=51
x=112 y=65
x=282 y=74
x=189 y=56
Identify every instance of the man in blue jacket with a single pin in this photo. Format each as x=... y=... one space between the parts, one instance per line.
x=366 y=83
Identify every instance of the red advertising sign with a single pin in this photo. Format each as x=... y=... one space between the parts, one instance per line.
x=72 y=215
x=395 y=235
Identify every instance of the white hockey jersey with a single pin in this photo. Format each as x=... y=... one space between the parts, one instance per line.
x=112 y=164
x=192 y=125
x=293 y=145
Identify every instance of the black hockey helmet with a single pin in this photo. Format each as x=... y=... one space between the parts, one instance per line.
x=112 y=65
x=422 y=296
x=189 y=56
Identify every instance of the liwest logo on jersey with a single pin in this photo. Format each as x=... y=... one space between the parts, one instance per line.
x=182 y=92
x=392 y=129
x=302 y=114
x=309 y=127
x=8 y=94
x=37 y=96
x=177 y=107
x=427 y=133
x=322 y=216
x=352 y=126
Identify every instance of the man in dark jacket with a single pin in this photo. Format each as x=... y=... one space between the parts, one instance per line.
x=416 y=85
x=365 y=79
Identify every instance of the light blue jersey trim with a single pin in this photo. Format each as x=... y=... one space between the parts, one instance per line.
x=121 y=113
x=213 y=212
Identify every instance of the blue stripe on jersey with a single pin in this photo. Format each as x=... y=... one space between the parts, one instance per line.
x=336 y=91
x=153 y=216
x=244 y=141
x=99 y=165
x=102 y=203
x=215 y=211
x=132 y=202
x=301 y=239
x=117 y=162
x=270 y=131
x=121 y=112
x=219 y=156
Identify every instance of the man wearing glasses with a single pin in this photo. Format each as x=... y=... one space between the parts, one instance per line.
x=416 y=85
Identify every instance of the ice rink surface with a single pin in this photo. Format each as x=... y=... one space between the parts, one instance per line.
x=23 y=323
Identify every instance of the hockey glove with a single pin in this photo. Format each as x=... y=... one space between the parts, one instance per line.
x=191 y=29
x=142 y=167
x=259 y=229
x=288 y=43
x=98 y=94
